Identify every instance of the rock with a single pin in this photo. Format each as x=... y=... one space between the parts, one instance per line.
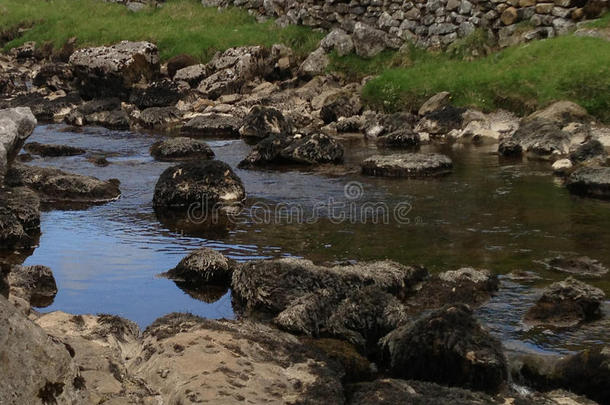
x=19 y=218
x=591 y=181
x=509 y=16
x=296 y=149
x=262 y=122
x=34 y=284
x=208 y=184
x=585 y=372
x=101 y=347
x=54 y=76
x=562 y=113
x=163 y=93
x=565 y=304
x=52 y=108
x=441 y=122
x=466 y=285
x=340 y=105
x=591 y=149
x=368 y=41
x=160 y=118
x=179 y=62
x=435 y=103
x=448 y=347
x=315 y=64
x=56 y=186
x=201 y=268
x=105 y=112
x=112 y=71
x=407 y=165
x=339 y=41
x=16 y=125
x=35 y=368
x=193 y=75
x=40 y=149
x=356 y=366
x=190 y=359
x=213 y=125
x=402 y=138
x=562 y=167
x=539 y=138
x=579 y=266
x=389 y=391
x=181 y=148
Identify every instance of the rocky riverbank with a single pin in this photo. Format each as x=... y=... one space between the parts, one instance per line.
x=354 y=333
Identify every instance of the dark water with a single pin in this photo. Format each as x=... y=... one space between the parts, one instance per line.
x=489 y=213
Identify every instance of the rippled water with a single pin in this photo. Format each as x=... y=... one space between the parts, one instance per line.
x=489 y=213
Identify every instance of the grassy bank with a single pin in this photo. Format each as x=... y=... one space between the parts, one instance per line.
x=180 y=26
x=520 y=78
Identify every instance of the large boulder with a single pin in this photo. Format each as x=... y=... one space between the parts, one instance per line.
x=339 y=41
x=36 y=369
x=448 y=347
x=407 y=165
x=295 y=149
x=341 y=104
x=190 y=359
x=16 y=125
x=181 y=148
x=538 y=138
x=211 y=184
x=262 y=122
x=368 y=41
x=56 y=186
x=566 y=303
x=213 y=125
x=590 y=181
x=109 y=71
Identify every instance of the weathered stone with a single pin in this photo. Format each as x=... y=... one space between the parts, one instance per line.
x=181 y=148
x=16 y=125
x=162 y=93
x=34 y=284
x=368 y=41
x=565 y=304
x=315 y=64
x=587 y=151
x=112 y=71
x=402 y=138
x=509 y=16
x=434 y=103
x=193 y=75
x=208 y=183
x=213 y=125
x=442 y=121
x=578 y=266
x=341 y=104
x=40 y=149
x=339 y=41
x=179 y=62
x=56 y=186
x=407 y=165
x=160 y=118
x=19 y=217
x=538 y=137
x=448 y=347
x=591 y=181
x=262 y=122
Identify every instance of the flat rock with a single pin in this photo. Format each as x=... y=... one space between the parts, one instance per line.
x=56 y=186
x=407 y=165
x=52 y=150
x=213 y=125
x=181 y=148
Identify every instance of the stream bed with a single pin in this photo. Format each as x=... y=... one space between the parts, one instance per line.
x=502 y=215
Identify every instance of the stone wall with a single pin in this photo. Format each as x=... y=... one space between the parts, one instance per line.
x=431 y=23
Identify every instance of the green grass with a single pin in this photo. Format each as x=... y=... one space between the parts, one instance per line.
x=603 y=22
x=180 y=26
x=520 y=78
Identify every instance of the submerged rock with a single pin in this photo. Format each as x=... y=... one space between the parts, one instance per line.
x=56 y=186
x=109 y=71
x=296 y=149
x=202 y=267
x=262 y=122
x=590 y=181
x=579 y=266
x=448 y=347
x=53 y=150
x=208 y=183
x=181 y=148
x=565 y=304
x=191 y=359
x=35 y=368
x=407 y=165
x=213 y=125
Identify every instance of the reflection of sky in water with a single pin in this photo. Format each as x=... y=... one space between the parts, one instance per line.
x=488 y=213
